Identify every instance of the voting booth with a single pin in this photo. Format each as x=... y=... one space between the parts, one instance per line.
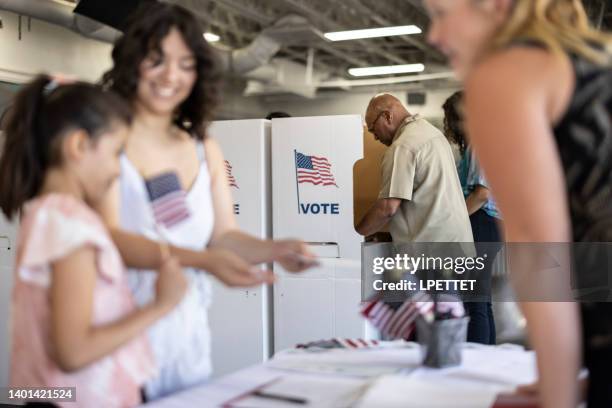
x=240 y=318
x=312 y=180
x=8 y=237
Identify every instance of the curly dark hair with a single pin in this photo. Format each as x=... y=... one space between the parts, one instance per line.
x=453 y=121
x=145 y=30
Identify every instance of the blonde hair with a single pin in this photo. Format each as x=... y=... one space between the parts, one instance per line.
x=560 y=25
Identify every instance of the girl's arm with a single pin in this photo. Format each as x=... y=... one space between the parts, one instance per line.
x=75 y=341
x=512 y=100
x=292 y=254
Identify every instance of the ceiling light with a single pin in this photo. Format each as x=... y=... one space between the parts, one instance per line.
x=386 y=70
x=372 y=33
x=210 y=37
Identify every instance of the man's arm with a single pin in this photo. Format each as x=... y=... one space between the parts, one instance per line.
x=378 y=216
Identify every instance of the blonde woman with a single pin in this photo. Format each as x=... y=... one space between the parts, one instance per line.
x=538 y=102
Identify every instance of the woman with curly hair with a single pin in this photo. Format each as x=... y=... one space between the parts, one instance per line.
x=484 y=217
x=167 y=71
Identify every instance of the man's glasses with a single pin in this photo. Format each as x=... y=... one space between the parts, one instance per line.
x=371 y=128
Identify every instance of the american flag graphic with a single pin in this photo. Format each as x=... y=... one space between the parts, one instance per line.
x=230 y=176
x=168 y=199
x=314 y=170
x=398 y=322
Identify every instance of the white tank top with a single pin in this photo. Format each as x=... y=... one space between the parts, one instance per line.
x=180 y=340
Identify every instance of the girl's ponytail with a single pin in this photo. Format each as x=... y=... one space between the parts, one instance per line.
x=23 y=161
x=41 y=113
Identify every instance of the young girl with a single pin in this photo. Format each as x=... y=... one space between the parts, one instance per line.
x=538 y=97
x=74 y=323
x=168 y=73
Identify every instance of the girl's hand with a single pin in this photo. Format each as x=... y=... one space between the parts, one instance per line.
x=234 y=271
x=171 y=284
x=293 y=255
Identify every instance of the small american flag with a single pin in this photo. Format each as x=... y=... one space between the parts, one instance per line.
x=168 y=199
x=314 y=170
x=339 y=343
x=230 y=176
x=398 y=322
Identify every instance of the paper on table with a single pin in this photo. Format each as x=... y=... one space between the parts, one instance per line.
x=387 y=353
x=411 y=392
x=496 y=365
x=328 y=392
x=351 y=370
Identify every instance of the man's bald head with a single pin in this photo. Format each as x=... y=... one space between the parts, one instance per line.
x=384 y=115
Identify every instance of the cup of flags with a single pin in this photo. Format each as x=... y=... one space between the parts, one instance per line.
x=437 y=319
x=441 y=340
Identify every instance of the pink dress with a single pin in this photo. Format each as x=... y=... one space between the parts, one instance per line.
x=53 y=226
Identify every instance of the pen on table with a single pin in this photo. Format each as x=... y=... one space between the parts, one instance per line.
x=294 y=400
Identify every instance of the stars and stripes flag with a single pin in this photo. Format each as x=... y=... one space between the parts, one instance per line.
x=314 y=170
x=398 y=322
x=168 y=199
x=230 y=176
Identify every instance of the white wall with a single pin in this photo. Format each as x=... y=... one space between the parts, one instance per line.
x=343 y=103
x=48 y=48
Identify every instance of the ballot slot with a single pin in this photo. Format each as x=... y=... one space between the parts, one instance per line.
x=324 y=249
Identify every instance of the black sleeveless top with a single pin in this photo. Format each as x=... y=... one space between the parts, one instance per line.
x=584 y=140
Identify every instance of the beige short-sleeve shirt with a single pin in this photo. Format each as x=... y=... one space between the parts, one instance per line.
x=419 y=168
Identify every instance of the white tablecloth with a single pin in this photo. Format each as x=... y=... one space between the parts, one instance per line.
x=393 y=375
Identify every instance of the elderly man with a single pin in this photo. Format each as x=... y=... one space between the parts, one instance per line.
x=421 y=196
x=421 y=199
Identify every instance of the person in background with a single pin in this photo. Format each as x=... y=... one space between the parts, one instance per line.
x=74 y=321
x=484 y=216
x=420 y=195
x=167 y=72
x=538 y=84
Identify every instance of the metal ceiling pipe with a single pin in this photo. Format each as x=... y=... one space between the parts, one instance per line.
x=60 y=13
x=253 y=56
x=239 y=61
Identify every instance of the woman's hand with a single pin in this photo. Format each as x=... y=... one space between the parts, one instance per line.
x=293 y=255
x=233 y=271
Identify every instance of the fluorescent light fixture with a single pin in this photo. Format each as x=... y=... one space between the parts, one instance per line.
x=210 y=37
x=387 y=70
x=372 y=33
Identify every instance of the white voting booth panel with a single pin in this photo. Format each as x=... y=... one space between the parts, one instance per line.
x=239 y=318
x=312 y=178
x=8 y=236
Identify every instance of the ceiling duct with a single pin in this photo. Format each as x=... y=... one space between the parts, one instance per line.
x=239 y=61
